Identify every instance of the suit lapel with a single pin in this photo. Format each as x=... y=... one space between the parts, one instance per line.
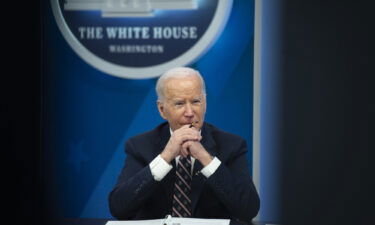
x=169 y=179
x=199 y=179
x=162 y=139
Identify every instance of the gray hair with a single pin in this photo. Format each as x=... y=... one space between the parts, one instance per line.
x=177 y=72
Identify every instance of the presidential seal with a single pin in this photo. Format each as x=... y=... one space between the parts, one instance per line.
x=140 y=39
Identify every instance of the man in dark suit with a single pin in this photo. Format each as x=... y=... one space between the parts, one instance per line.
x=186 y=167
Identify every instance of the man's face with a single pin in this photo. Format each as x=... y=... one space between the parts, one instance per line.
x=184 y=102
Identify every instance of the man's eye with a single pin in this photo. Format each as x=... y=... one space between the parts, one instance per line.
x=197 y=101
x=179 y=103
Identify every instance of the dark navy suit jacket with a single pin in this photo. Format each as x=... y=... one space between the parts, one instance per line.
x=228 y=193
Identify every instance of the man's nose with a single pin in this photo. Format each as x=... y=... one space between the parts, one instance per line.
x=189 y=110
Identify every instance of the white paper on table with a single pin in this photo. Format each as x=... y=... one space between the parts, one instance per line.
x=172 y=221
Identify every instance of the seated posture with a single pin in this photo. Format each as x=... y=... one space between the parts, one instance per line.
x=185 y=167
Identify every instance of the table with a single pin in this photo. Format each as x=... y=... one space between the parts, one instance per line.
x=96 y=221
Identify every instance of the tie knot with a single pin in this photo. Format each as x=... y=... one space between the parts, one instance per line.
x=186 y=159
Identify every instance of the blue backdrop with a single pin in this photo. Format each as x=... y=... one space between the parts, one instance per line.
x=87 y=115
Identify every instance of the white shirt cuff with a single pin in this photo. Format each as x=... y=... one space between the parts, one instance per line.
x=211 y=167
x=159 y=168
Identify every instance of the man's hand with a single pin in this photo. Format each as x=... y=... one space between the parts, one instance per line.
x=178 y=138
x=196 y=150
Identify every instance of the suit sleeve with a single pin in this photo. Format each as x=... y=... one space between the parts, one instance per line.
x=134 y=186
x=232 y=184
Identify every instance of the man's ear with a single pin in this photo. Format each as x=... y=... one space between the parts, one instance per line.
x=161 y=109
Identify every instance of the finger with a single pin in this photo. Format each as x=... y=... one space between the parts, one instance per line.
x=184 y=127
x=187 y=128
x=190 y=131
x=185 y=149
x=184 y=153
x=188 y=137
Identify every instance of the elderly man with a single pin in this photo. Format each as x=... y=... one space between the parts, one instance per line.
x=185 y=167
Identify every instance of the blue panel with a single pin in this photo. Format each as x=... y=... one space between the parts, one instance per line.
x=269 y=112
x=88 y=115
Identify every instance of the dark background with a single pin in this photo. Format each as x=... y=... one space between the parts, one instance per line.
x=326 y=91
x=20 y=108
x=328 y=104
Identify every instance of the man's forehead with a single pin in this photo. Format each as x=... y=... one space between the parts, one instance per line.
x=180 y=85
x=170 y=82
x=176 y=98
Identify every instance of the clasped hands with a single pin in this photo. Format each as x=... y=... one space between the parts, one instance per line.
x=186 y=141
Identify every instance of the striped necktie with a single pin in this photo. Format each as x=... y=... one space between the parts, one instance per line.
x=181 y=197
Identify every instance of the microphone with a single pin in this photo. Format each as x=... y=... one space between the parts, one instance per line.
x=167 y=219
